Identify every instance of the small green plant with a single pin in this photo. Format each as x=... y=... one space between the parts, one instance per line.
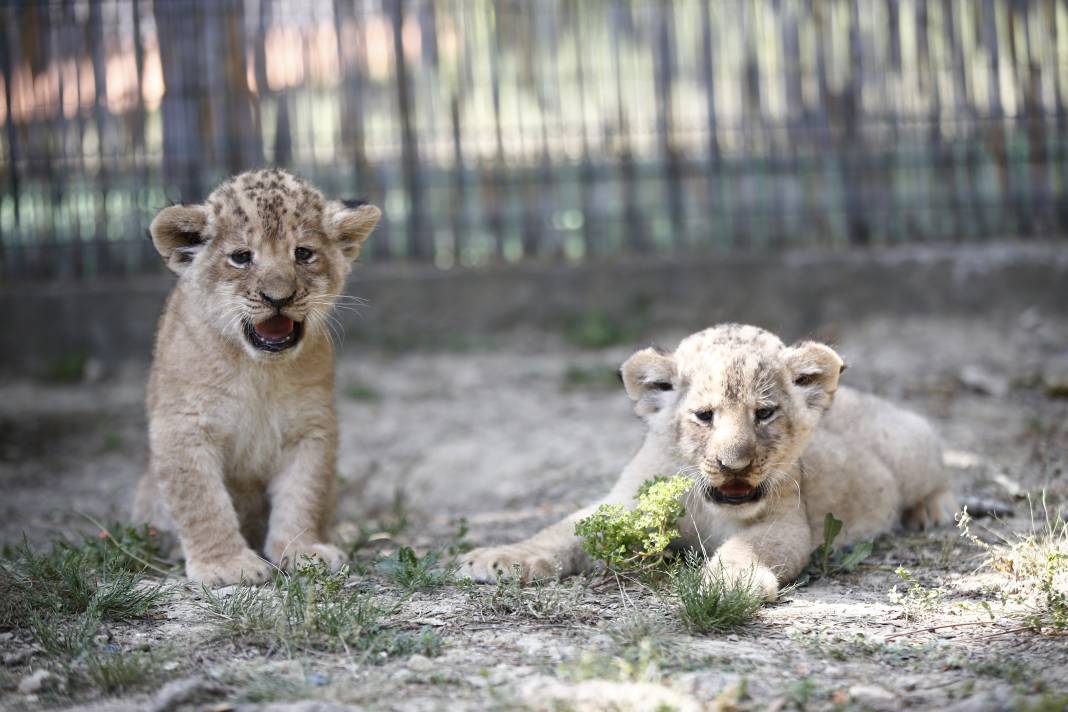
x=458 y=543
x=635 y=541
x=916 y=599
x=713 y=601
x=596 y=329
x=539 y=600
x=415 y=573
x=312 y=609
x=642 y=663
x=827 y=560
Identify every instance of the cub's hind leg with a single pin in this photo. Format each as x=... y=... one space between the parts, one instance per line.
x=934 y=510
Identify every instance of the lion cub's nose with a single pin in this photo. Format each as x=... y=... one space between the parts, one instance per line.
x=277 y=302
x=735 y=466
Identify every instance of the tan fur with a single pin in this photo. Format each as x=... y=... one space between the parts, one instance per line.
x=243 y=442
x=823 y=450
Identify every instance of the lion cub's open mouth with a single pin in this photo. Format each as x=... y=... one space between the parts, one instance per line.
x=275 y=334
x=735 y=493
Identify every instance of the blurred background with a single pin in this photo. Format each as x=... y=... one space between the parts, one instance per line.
x=501 y=131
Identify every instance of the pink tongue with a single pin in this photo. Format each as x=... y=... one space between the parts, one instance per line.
x=735 y=489
x=277 y=327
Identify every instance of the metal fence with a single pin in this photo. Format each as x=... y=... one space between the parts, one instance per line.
x=566 y=130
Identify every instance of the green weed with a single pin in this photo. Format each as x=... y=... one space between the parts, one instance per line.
x=915 y=599
x=713 y=603
x=635 y=541
x=63 y=595
x=313 y=610
x=416 y=573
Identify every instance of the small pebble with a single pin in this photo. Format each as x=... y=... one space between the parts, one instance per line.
x=33 y=682
x=420 y=663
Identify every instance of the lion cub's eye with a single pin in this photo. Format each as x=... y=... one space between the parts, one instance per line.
x=705 y=416
x=661 y=386
x=240 y=258
x=763 y=414
x=303 y=254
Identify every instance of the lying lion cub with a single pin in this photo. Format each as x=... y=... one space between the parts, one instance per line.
x=752 y=421
x=242 y=429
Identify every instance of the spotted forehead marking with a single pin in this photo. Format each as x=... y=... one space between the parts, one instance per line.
x=734 y=362
x=271 y=203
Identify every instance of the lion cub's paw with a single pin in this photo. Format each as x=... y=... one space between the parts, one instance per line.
x=935 y=510
x=485 y=565
x=243 y=567
x=295 y=554
x=761 y=579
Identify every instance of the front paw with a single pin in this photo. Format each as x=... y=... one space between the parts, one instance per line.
x=297 y=554
x=243 y=567
x=759 y=579
x=489 y=563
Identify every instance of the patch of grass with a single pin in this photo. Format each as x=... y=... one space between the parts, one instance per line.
x=641 y=663
x=538 y=600
x=597 y=329
x=916 y=600
x=643 y=647
x=1035 y=565
x=313 y=610
x=273 y=687
x=1049 y=702
x=416 y=573
x=858 y=646
x=360 y=391
x=1004 y=668
x=118 y=672
x=634 y=541
x=67 y=636
x=67 y=368
x=713 y=603
x=592 y=377
x=799 y=694
x=70 y=589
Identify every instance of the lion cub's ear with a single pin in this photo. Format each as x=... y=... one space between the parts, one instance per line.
x=815 y=368
x=649 y=377
x=178 y=234
x=351 y=223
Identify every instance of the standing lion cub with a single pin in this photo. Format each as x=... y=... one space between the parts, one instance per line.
x=242 y=429
x=772 y=451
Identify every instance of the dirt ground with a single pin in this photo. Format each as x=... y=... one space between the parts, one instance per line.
x=514 y=435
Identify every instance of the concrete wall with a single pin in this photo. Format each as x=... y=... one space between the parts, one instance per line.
x=793 y=293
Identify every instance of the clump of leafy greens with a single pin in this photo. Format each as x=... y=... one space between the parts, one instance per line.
x=634 y=541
